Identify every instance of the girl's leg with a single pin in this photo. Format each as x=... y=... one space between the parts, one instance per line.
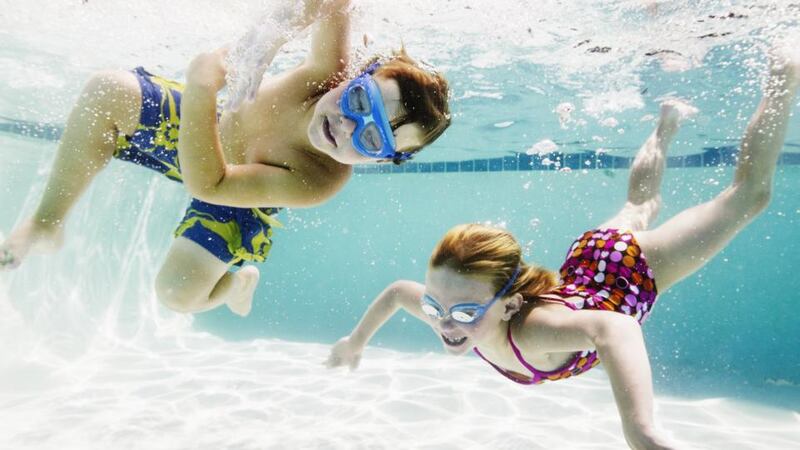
x=687 y=241
x=647 y=171
x=192 y=280
x=108 y=105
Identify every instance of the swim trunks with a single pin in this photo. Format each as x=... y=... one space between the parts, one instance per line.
x=233 y=235
x=604 y=269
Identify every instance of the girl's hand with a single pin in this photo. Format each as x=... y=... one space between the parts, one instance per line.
x=208 y=70
x=344 y=353
x=646 y=439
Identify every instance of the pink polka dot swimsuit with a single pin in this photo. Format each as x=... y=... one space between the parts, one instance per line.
x=604 y=269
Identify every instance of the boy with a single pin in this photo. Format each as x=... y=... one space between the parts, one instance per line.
x=293 y=146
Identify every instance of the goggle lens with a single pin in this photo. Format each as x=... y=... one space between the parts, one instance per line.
x=431 y=311
x=370 y=138
x=358 y=101
x=467 y=316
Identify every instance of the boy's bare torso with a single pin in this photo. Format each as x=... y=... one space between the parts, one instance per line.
x=266 y=131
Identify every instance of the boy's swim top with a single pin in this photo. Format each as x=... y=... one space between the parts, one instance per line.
x=231 y=234
x=605 y=269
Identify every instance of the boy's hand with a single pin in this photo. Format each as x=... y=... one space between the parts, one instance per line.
x=344 y=353
x=208 y=70
x=314 y=9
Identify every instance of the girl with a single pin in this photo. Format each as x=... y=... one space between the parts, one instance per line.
x=533 y=325
x=293 y=146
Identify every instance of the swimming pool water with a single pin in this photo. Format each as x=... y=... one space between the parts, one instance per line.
x=727 y=331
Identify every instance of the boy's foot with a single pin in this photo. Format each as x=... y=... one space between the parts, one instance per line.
x=27 y=237
x=241 y=301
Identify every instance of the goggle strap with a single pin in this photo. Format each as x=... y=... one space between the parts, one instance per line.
x=399 y=157
x=372 y=68
x=509 y=283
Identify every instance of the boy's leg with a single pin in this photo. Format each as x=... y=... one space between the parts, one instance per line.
x=192 y=280
x=647 y=171
x=108 y=105
x=687 y=241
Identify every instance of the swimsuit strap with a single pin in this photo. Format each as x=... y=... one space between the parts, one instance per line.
x=503 y=371
x=541 y=375
x=519 y=356
x=557 y=298
x=538 y=375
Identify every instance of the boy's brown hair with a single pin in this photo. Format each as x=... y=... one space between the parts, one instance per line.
x=424 y=95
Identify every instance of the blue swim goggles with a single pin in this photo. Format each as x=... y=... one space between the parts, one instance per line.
x=362 y=103
x=464 y=312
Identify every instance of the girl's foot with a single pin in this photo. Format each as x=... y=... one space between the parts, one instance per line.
x=784 y=73
x=673 y=112
x=241 y=297
x=29 y=236
x=676 y=110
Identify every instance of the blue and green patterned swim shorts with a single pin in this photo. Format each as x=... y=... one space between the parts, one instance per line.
x=233 y=235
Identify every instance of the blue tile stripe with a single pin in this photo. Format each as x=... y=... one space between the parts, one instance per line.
x=588 y=159
x=46 y=131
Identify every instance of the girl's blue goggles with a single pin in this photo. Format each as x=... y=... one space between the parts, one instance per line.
x=362 y=103
x=464 y=312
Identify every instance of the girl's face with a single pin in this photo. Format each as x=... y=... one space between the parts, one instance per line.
x=449 y=288
x=331 y=132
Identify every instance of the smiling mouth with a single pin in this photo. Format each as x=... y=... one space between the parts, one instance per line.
x=453 y=342
x=326 y=129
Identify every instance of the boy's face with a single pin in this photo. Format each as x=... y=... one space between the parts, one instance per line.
x=331 y=132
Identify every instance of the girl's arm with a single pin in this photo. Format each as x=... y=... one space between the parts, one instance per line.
x=400 y=294
x=620 y=346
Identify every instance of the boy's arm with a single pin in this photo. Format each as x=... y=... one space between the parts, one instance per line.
x=205 y=172
x=330 y=39
x=259 y=46
x=398 y=295
x=620 y=346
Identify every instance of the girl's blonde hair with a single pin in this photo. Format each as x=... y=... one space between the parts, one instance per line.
x=494 y=254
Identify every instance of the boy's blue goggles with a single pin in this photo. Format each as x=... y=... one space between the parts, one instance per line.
x=362 y=103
